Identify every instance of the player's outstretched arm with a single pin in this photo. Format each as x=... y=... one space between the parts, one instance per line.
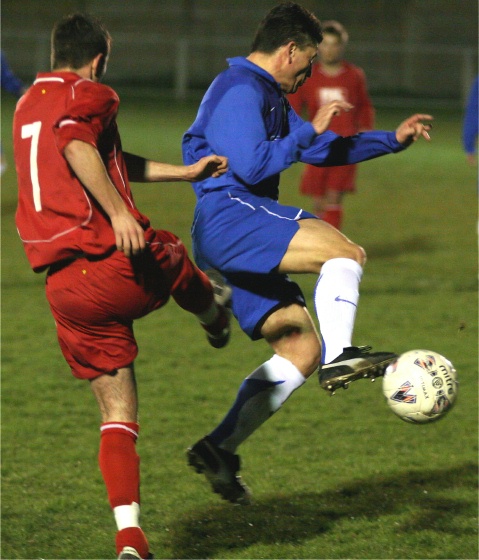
x=141 y=170
x=413 y=128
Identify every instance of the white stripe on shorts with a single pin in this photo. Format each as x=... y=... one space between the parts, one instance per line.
x=297 y=217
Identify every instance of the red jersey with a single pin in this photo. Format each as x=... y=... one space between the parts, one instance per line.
x=348 y=85
x=57 y=218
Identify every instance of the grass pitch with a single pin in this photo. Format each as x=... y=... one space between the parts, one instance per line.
x=337 y=477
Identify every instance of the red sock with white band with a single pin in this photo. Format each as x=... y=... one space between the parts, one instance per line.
x=120 y=467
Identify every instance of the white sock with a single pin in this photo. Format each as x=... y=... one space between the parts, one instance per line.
x=336 y=299
x=261 y=394
x=127 y=516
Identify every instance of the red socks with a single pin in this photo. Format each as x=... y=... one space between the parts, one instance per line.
x=134 y=537
x=333 y=215
x=119 y=463
x=120 y=467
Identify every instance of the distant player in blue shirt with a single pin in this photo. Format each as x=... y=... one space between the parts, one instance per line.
x=241 y=230
x=10 y=82
x=13 y=85
x=471 y=124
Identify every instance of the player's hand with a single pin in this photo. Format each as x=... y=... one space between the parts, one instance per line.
x=322 y=119
x=471 y=160
x=413 y=128
x=129 y=235
x=208 y=166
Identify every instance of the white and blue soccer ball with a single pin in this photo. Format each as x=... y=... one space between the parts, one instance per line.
x=420 y=386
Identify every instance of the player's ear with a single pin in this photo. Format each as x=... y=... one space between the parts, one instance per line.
x=99 y=66
x=291 y=49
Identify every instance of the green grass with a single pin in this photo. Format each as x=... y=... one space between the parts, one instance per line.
x=337 y=477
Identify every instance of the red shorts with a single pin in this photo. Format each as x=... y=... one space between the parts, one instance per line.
x=317 y=180
x=94 y=302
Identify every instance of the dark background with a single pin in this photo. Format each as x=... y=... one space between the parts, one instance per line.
x=408 y=48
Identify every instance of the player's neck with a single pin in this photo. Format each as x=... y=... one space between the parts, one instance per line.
x=84 y=72
x=265 y=61
x=331 y=68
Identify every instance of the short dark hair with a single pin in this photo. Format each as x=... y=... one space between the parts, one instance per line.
x=284 y=23
x=77 y=39
x=333 y=27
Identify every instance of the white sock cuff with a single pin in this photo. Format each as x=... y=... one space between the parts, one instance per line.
x=281 y=367
x=127 y=516
x=118 y=426
x=343 y=263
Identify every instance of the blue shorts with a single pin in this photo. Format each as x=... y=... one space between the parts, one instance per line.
x=245 y=237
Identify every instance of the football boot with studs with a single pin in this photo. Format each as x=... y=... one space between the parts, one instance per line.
x=355 y=362
x=130 y=553
x=220 y=468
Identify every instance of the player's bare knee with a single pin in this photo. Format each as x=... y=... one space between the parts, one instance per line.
x=361 y=256
x=351 y=251
x=306 y=357
x=292 y=335
x=301 y=349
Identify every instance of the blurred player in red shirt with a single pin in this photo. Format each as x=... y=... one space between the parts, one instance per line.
x=332 y=79
x=106 y=266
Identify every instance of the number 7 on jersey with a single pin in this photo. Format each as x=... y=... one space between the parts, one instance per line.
x=33 y=131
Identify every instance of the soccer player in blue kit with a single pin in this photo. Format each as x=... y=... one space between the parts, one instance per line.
x=241 y=230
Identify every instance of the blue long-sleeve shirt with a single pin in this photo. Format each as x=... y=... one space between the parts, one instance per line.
x=10 y=82
x=471 y=122
x=245 y=116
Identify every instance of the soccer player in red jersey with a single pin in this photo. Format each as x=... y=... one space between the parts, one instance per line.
x=106 y=266
x=333 y=78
